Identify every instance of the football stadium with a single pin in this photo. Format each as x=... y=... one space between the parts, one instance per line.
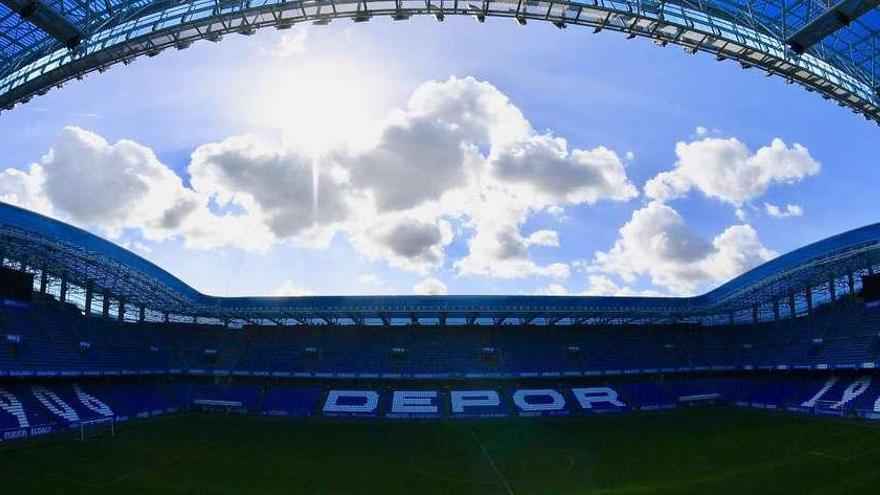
x=739 y=369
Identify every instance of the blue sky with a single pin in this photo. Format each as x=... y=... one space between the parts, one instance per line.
x=441 y=162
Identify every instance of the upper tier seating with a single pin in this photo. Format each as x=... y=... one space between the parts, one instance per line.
x=51 y=339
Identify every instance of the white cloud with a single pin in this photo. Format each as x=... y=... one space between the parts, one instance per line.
x=405 y=242
x=430 y=287
x=292 y=43
x=552 y=290
x=779 y=212
x=116 y=185
x=414 y=160
x=657 y=243
x=369 y=279
x=498 y=248
x=288 y=190
x=290 y=289
x=25 y=189
x=601 y=285
x=701 y=131
x=458 y=152
x=548 y=238
x=426 y=164
x=726 y=170
x=546 y=171
x=597 y=285
x=140 y=246
x=475 y=108
x=86 y=180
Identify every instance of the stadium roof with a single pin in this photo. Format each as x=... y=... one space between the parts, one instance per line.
x=827 y=46
x=36 y=243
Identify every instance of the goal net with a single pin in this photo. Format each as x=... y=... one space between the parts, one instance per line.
x=828 y=407
x=96 y=428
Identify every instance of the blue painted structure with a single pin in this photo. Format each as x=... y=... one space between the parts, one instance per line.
x=829 y=48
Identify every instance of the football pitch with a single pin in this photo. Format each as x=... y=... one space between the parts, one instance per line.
x=685 y=451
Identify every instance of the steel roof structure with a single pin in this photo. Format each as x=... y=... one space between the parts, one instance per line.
x=86 y=264
x=828 y=46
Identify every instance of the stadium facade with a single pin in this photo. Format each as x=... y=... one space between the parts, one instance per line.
x=98 y=333
x=827 y=47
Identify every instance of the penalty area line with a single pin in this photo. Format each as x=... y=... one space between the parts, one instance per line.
x=491 y=461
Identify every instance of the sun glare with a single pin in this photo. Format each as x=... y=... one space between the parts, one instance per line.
x=319 y=103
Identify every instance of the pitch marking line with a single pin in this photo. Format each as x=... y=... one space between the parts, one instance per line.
x=491 y=461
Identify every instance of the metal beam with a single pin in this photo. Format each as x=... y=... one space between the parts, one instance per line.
x=46 y=18
x=838 y=16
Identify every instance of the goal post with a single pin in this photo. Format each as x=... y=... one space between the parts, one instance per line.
x=97 y=427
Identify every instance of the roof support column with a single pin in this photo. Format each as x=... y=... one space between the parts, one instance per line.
x=791 y=306
x=730 y=319
x=851 y=282
x=142 y=312
x=165 y=317
x=832 y=289
x=44 y=279
x=62 y=294
x=754 y=314
x=105 y=304
x=121 y=315
x=809 y=295
x=89 y=296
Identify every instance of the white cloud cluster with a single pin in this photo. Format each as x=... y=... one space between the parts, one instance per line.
x=725 y=169
x=657 y=243
x=292 y=43
x=602 y=285
x=458 y=151
x=288 y=191
x=121 y=186
x=290 y=289
x=780 y=212
x=543 y=168
x=552 y=290
x=430 y=287
x=25 y=189
x=404 y=242
x=597 y=285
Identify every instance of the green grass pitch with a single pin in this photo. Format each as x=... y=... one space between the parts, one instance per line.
x=715 y=451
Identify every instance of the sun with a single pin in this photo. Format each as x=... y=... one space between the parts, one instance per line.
x=318 y=103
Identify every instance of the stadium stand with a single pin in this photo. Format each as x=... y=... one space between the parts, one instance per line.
x=57 y=340
x=106 y=334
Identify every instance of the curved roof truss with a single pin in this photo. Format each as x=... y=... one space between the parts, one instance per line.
x=841 y=65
